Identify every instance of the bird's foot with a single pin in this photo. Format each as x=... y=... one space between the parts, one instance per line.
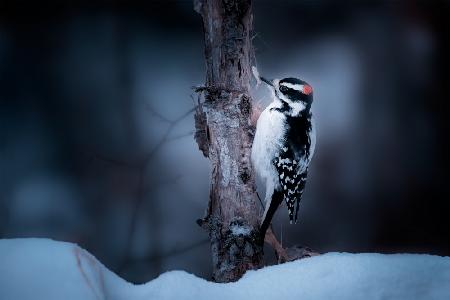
x=299 y=252
x=271 y=239
x=287 y=254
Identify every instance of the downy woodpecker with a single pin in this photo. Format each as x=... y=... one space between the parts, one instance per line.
x=284 y=145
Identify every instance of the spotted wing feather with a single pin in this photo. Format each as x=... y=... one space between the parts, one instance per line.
x=292 y=178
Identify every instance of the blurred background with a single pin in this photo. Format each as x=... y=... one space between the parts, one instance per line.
x=96 y=128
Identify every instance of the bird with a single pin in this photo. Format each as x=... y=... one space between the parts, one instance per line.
x=284 y=145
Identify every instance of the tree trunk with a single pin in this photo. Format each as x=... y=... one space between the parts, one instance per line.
x=225 y=135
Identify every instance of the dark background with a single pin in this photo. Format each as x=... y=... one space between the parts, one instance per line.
x=93 y=149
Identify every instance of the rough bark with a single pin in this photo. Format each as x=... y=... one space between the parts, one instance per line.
x=225 y=135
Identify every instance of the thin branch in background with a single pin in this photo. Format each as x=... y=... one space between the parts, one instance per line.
x=259 y=37
x=141 y=191
x=173 y=252
x=180 y=136
x=171 y=180
x=184 y=115
x=165 y=137
x=178 y=251
x=141 y=167
x=115 y=162
x=157 y=114
x=193 y=100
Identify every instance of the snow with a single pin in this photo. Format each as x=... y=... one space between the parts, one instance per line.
x=46 y=269
x=240 y=230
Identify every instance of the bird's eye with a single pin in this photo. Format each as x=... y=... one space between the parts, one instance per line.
x=283 y=88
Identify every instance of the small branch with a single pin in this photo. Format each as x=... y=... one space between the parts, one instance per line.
x=172 y=180
x=287 y=254
x=173 y=252
x=184 y=115
x=142 y=167
x=157 y=114
x=257 y=35
x=273 y=242
x=115 y=162
x=166 y=136
x=180 y=136
x=176 y=251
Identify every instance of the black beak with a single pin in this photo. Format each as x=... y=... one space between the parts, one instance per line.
x=267 y=81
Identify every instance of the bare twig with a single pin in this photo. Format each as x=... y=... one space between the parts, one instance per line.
x=166 y=135
x=157 y=114
x=161 y=256
x=287 y=254
x=115 y=162
x=165 y=138
x=141 y=167
x=257 y=35
x=173 y=252
x=272 y=241
x=171 y=180
x=180 y=136
x=141 y=192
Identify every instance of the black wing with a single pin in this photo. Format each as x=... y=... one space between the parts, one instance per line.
x=292 y=178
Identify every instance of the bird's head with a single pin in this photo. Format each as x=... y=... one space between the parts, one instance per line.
x=293 y=93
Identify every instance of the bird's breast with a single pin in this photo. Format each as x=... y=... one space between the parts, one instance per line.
x=270 y=137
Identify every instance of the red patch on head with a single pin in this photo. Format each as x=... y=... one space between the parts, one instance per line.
x=307 y=89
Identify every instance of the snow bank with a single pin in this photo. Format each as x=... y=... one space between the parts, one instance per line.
x=45 y=269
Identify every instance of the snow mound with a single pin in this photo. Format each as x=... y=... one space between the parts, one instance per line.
x=46 y=269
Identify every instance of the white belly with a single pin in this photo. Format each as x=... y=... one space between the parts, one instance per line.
x=269 y=138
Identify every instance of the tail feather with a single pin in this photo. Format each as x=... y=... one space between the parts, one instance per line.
x=270 y=210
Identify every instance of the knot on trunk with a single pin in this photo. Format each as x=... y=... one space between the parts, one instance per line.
x=241 y=249
x=245 y=106
x=239 y=7
x=198 y=5
x=201 y=130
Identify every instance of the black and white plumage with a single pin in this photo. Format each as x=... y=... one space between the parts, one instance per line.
x=284 y=145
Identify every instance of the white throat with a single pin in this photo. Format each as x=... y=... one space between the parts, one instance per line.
x=296 y=107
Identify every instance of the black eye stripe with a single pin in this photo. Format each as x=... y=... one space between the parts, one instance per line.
x=288 y=91
x=292 y=94
x=283 y=88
